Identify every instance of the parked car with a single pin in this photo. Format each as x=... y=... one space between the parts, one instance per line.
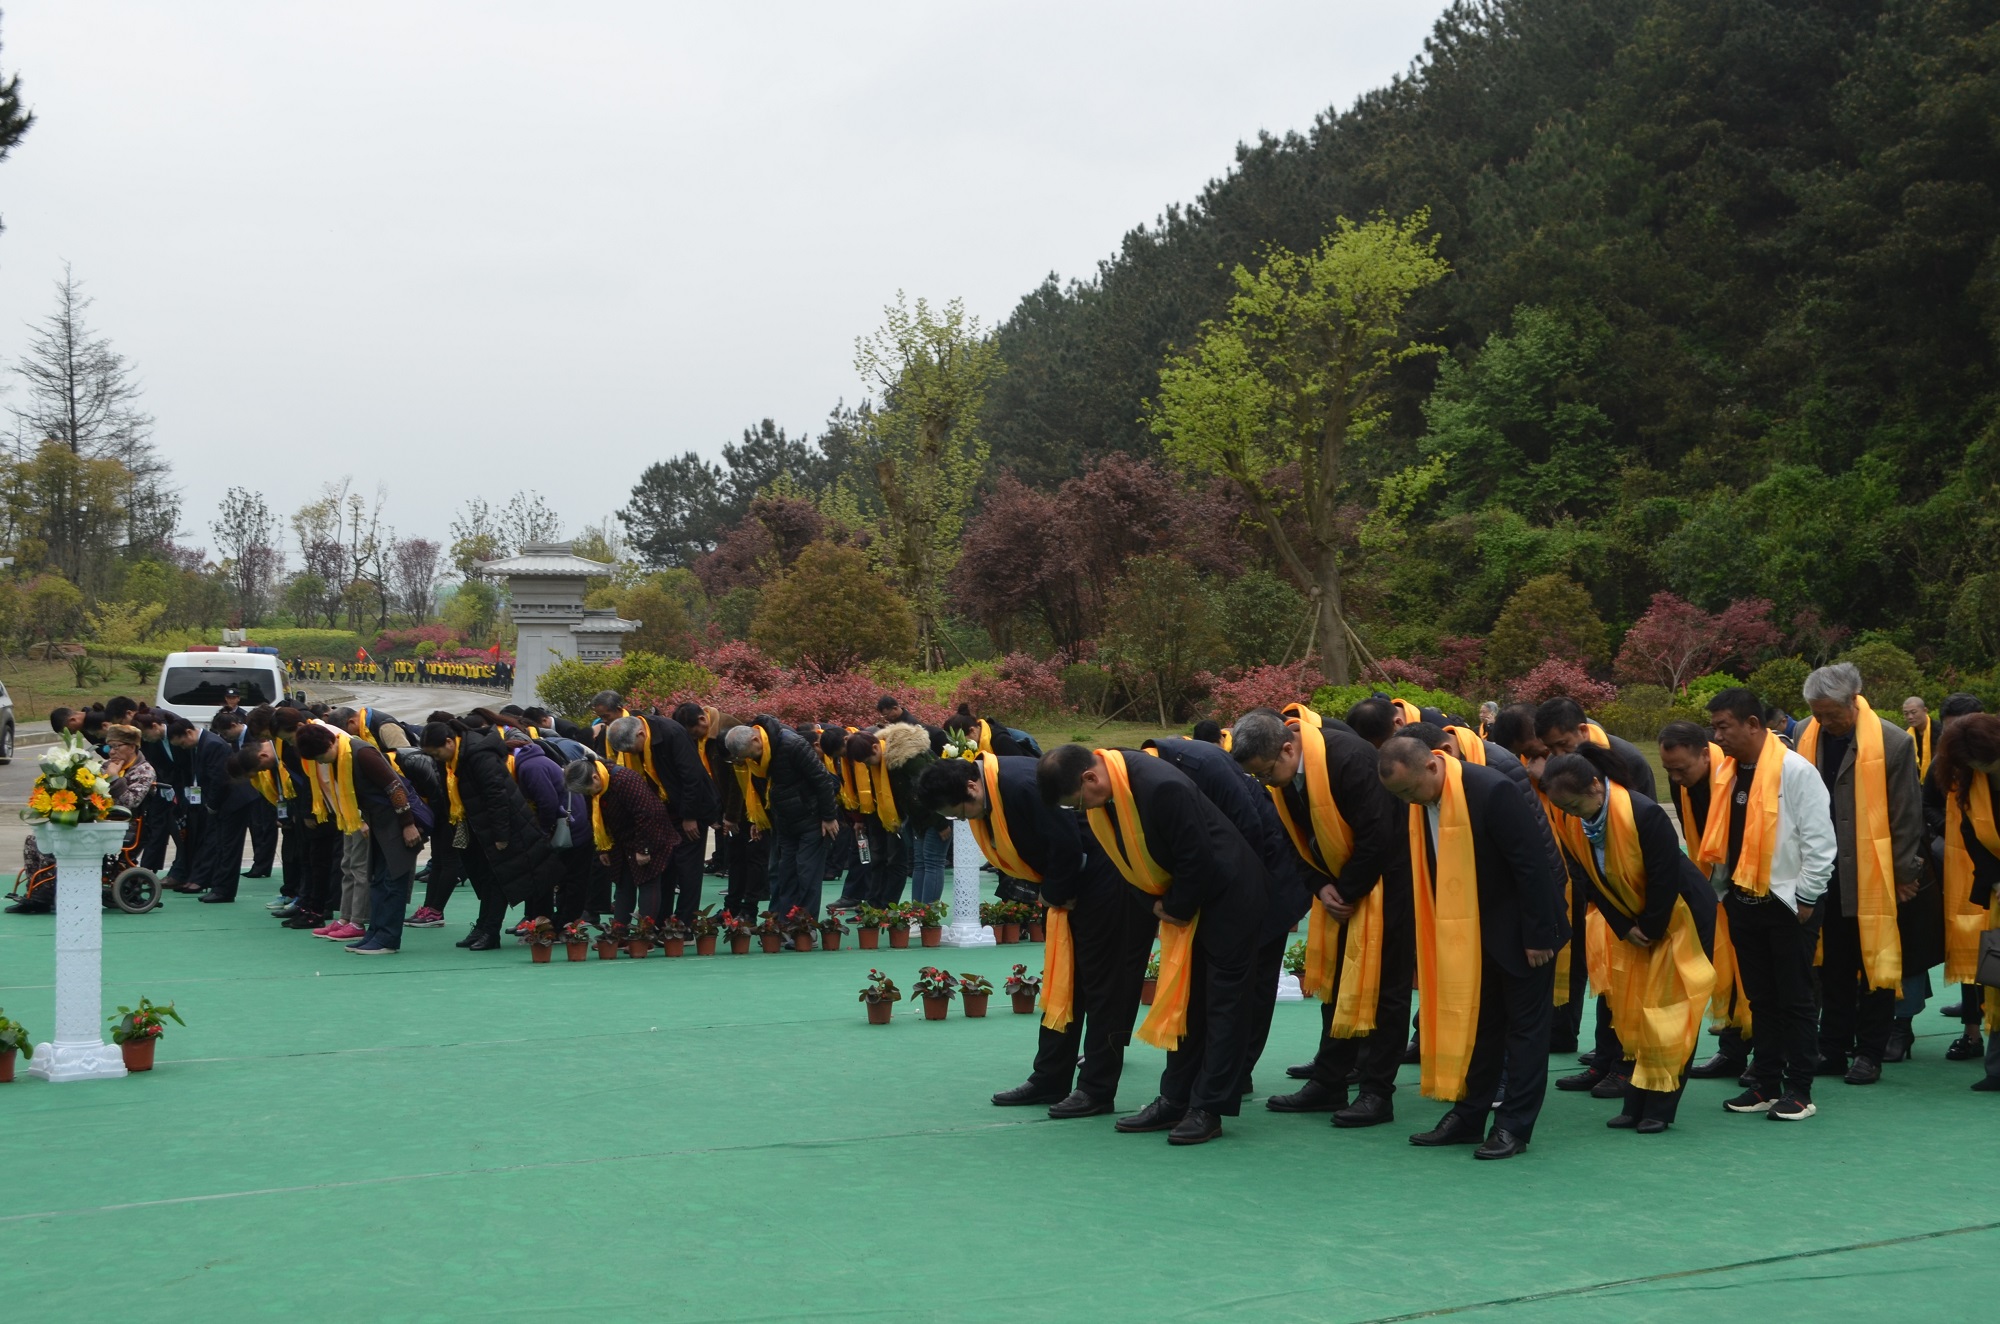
x=193 y=683
x=6 y=726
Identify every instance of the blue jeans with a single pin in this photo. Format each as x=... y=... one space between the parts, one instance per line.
x=926 y=850
x=388 y=898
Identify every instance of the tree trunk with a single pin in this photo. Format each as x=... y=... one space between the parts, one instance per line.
x=1334 y=663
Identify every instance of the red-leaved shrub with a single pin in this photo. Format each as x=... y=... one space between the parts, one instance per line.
x=1394 y=669
x=1556 y=677
x=1260 y=687
x=1020 y=687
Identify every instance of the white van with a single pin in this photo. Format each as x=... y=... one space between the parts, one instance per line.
x=192 y=684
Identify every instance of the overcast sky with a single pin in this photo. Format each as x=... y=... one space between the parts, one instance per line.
x=468 y=247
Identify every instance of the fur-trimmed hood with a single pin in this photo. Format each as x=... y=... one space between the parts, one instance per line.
x=901 y=742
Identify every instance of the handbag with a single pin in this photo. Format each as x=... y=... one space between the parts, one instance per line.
x=560 y=839
x=1988 y=970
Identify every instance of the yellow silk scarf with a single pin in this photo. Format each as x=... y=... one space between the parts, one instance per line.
x=338 y=800
x=1760 y=817
x=1471 y=745
x=1874 y=849
x=1691 y=837
x=1351 y=949
x=361 y=720
x=1411 y=713
x=1963 y=921
x=747 y=774
x=713 y=725
x=1448 y=954
x=1058 y=949
x=1657 y=993
x=1298 y=712
x=599 y=834
x=456 y=806
x=641 y=759
x=1923 y=744
x=882 y=792
x=1125 y=842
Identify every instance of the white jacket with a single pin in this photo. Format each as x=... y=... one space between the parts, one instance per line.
x=1807 y=849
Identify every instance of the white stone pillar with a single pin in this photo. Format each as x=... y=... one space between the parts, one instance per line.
x=1288 y=987
x=965 y=930
x=79 y=1051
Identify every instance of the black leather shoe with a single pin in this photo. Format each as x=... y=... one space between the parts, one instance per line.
x=483 y=941
x=304 y=920
x=1078 y=1104
x=1865 y=1071
x=1611 y=1087
x=1902 y=1041
x=1413 y=1053
x=1453 y=1130
x=215 y=899
x=1622 y=1122
x=1311 y=1097
x=1581 y=1081
x=29 y=908
x=1652 y=1126
x=1964 y=1048
x=1368 y=1110
x=467 y=940
x=1501 y=1144
x=1830 y=1066
x=1303 y=1071
x=256 y=873
x=189 y=888
x=1722 y=1064
x=1027 y=1093
x=1747 y=1079
x=1197 y=1127
x=1987 y=1084
x=1159 y=1115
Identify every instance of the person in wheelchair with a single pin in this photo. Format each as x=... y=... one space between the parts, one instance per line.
x=131 y=776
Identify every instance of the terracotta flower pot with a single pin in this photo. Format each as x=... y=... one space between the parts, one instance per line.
x=578 y=951
x=935 y=1008
x=899 y=935
x=1146 y=992
x=829 y=942
x=933 y=934
x=6 y=1066
x=975 y=1003
x=1024 y=1004
x=803 y=940
x=674 y=946
x=1037 y=931
x=607 y=950
x=638 y=948
x=1009 y=933
x=878 y=1012
x=138 y=1053
x=871 y=938
x=540 y=952
x=705 y=945
x=773 y=942
x=739 y=944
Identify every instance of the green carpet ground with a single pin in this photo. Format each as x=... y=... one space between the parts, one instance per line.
x=438 y=1136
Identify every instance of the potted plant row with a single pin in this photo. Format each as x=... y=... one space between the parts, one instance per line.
x=737 y=931
x=830 y=932
x=576 y=939
x=13 y=1039
x=137 y=1031
x=1024 y=988
x=879 y=992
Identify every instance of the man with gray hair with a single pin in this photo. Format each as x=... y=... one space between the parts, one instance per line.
x=790 y=797
x=661 y=750
x=1869 y=766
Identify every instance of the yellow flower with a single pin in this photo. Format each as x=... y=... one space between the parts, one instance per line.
x=39 y=801
x=62 y=801
x=85 y=778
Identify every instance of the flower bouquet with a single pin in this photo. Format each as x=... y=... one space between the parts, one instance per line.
x=71 y=788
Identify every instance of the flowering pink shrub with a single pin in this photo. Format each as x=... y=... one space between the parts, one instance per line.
x=1393 y=669
x=1459 y=660
x=440 y=637
x=1260 y=687
x=748 y=683
x=739 y=662
x=1019 y=687
x=1555 y=677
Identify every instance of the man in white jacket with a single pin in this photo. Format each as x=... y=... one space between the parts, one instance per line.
x=1781 y=850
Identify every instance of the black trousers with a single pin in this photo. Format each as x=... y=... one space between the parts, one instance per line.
x=1854 y=1019
x=573 y=893
x=890 y=871
x=222 y=849
x=1265 y=968
x=1568 y=1022
x=1516 y=1013
x=163 y=825
x=193 y=822
x=680 y=883
x=1206 y=1071
x=263 y=835
x=1774 y=961
x=1378 y=1054
x=447 y=869
x=748 y=883
x=1112 y=934
x=292 y=855
x=492 y=900
x=319 y=889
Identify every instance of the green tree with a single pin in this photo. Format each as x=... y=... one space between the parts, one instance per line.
x=1263 y=618
x=1888 y=674
x=1781 y=683
x=923 y=449
x=833 y=610
x=1287 y=392
x=1162 y=627
x=1550 y=617
x=54 y=608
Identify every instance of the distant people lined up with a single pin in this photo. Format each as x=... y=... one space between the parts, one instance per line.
x=472 y=673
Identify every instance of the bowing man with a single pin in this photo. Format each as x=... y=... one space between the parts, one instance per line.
x=1210 y=893
x=1624 y=855
x=1099 y=931
x=1489 y=917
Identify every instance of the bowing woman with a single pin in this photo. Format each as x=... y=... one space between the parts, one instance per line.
x=1967 y=768
x=1624 y=856
x=631 y=829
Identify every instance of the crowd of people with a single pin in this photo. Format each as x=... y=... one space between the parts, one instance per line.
x=473 y=673
x=1516 y=875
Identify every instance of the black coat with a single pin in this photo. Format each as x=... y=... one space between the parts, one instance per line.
x=690 y=794
x=1520 y=894
x=500 y=820
x=1499 y=756
x=799 y=793
x=219 y=793
x=1247 y=803
x=1050 y=840
x=1638 y=772
x=1669 y=874
x=1214 y=871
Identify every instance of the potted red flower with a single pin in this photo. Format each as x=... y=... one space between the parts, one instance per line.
x=706 y=927
x=799 y=926
x=576 y=939
x=541 y=936
x=868 y=924
x=613 y=938
x=878 y=993
x=974 y=989
x=929 y=917
x=771 y=932
x=990 y=915
x=898 y=920
x=935 y=987
x=1024 y=988
x=13 y=1039
x=673 y=936
x=830 y=931
x=738 y=930
x=639 y=943
x=1037 y=922
x=137 y=1031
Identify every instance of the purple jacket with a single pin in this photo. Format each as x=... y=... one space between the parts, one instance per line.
x=541 y=781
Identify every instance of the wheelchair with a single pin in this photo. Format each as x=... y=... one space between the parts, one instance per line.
x=128 y=886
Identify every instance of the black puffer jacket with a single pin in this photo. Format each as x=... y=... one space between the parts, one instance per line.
x=500 y=820
x=800 y=793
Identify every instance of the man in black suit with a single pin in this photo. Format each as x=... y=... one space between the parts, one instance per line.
x=1209 y=870
x=1521 y=924
x=222 y=800
x=1561 y=725
x=1111 y=929
x=1273 y=750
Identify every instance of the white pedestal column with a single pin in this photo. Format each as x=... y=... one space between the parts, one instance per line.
x=965 y=930
x=1288 y=988
x=79 y=1051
